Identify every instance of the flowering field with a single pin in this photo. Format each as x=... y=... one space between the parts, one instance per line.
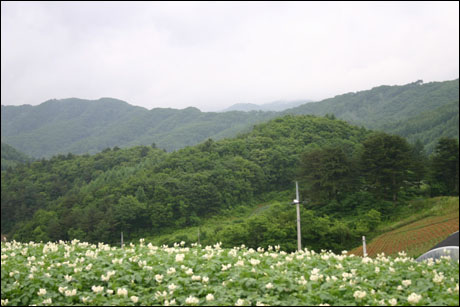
x=75 y=273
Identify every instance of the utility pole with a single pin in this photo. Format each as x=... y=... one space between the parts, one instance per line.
x=297 y=203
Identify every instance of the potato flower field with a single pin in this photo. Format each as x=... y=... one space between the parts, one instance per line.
x=77 y=273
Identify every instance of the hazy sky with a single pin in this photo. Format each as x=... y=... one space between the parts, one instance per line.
x=213 y=54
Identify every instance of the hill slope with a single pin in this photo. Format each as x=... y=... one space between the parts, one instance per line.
x=425 y=111
x=418 y=233
x=416 y=111
x=12 y=157
x=89 y=126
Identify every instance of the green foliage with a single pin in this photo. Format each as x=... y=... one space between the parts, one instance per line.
x=12 y=157
x=415 y=111
x=424 y=111
x=385 y=162
x=444 y=167
x=77 y=273
x=328 y=174
x=87 y=126
x=143 y=190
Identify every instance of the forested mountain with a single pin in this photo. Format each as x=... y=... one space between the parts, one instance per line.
x=88 y=126
x=12 y=157
x=424 y=111
x=143 y=191
x=416 y=111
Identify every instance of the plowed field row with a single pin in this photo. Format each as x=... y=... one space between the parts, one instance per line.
x=415 y=238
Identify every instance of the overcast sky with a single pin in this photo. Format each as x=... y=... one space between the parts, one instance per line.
x=213 y=54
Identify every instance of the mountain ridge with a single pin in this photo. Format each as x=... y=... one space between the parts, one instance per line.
x=89 y=126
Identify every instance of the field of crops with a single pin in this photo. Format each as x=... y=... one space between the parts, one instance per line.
x=415 y=238
x=75 y=273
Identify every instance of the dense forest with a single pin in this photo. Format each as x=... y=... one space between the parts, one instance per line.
x=416 y=111
x=344 y=171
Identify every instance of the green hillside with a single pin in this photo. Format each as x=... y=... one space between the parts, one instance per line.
x=89 y=126
x=417 y=111
x=424 y=111
x=143 y=190
x=425 y=223
x=146 y=192
x=12 y=157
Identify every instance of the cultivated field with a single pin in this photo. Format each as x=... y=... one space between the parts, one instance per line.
x=75 y=273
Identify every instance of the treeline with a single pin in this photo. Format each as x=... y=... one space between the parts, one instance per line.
x=347 y=191
x=144 y=190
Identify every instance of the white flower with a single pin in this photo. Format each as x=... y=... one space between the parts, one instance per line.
x=41 y=292
x=47 y=301
x=172 y=287
x=269 y=285
x=109 y=291
x=180 y=257
x=97 y=289
x=134 y=299
x=239 y=263
x=122 y=292
x=254 y=261
x=107 y=277
x=359 y=294
x=226 y=267
x=239 y=302
x=171 y=271
x=72 y=292
x=4 y=302
x=205 y=279
x=209 y=297
x=62 y=289
x=414 y=298
x=191 y=300
x=438 y=278
x=377 y=269
x=68 y=278
x=393 y=302
x=85 y=299
x=406 y=283
x=159 y=278
x=196 y=277
x=189 y=272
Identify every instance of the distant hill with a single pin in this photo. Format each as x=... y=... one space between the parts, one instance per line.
x=277 y=106
x=89 y=126
x=424 y=111
x=12 y=157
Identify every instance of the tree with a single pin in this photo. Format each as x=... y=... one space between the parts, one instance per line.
x=326 y=173
x=444 y=167
x=385 y=163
